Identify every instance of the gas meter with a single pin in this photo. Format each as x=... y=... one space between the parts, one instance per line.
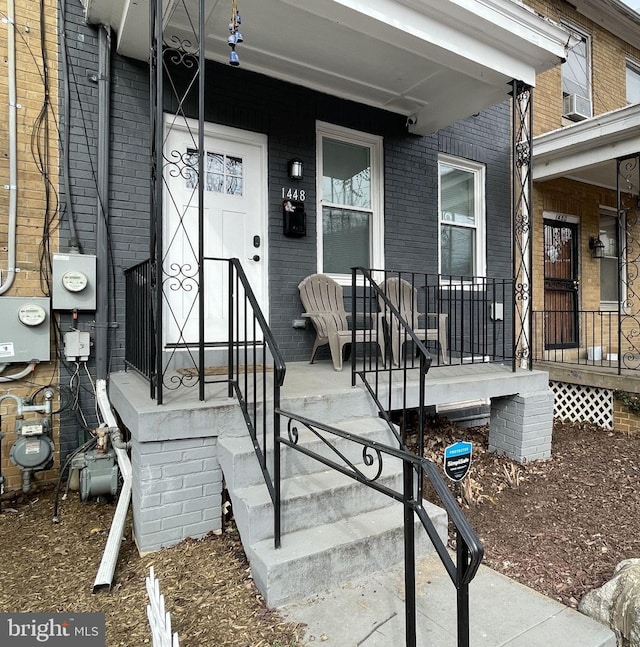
x=33 y=447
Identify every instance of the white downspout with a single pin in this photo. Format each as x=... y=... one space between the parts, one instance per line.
x=104 y=577
x=12 y=187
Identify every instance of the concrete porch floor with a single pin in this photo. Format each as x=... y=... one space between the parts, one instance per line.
x=521 y=402
x=444 y=385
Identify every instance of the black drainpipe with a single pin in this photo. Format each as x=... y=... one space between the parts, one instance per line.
x=102 y=248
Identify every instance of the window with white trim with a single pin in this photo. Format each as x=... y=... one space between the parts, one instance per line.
x=609 y=262
x=461 y=208
x=350 y=228
x=633 y=82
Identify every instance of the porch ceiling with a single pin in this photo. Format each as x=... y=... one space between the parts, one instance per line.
x=587 y=151
x=435 y=60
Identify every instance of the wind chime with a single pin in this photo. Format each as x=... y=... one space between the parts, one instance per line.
x=235 y=36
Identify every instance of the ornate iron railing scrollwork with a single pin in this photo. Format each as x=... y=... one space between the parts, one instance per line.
x=371 y=453
x=522 y=197
x=628 y=230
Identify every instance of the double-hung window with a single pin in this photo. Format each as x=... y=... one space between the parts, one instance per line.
x=350 y=201
x=462 y=217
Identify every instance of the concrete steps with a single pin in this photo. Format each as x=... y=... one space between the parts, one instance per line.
x=333 y=528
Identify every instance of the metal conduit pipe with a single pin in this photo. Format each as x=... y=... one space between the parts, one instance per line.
x=13 y=149
x=19 y=375
x=74 y=241
x=102 y=238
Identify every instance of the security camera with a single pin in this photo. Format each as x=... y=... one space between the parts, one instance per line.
x=412 y=120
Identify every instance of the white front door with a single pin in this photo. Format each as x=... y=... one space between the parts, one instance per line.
x=235 y=226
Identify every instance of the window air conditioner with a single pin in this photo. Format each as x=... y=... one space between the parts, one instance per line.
x=576 y=107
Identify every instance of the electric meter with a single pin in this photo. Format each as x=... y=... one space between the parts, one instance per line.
x=74 y=281
x=31 y=314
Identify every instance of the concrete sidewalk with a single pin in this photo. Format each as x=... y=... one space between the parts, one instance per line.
x=369 y=612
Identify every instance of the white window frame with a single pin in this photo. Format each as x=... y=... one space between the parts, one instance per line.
x=480 y=216
x=375 y=145
x=613 y=305
x=634 y=67
x=579 y=33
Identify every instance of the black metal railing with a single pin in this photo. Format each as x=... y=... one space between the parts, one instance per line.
x=391 y=307
x=139 y=322
x=255 y=366
x=462 y=320
x=458 y=320
x=469 y=550
x=592 y=338
x=251 y=364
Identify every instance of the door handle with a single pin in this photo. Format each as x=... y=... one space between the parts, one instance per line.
x=255 y=258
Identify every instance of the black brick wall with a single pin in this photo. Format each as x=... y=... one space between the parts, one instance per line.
x=129 y=188
x=287 y=114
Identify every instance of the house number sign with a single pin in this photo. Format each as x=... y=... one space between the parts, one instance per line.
x=293 y=194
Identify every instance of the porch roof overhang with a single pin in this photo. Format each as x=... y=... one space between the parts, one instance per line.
x=587 y=151
x=435 y=61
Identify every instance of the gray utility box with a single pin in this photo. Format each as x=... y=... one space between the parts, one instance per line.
x=25 y=332
x=74 y=282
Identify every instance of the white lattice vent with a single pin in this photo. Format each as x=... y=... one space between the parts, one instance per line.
x=578 y=403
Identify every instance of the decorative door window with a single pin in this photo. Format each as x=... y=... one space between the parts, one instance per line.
x=224 y=173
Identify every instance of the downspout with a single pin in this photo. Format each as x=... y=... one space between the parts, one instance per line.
x=13 y=150
x=102 y=240
x=104 y=576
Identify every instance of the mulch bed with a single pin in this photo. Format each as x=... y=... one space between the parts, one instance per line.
x=559 y=526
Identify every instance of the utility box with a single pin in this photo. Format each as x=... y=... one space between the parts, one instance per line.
x=74 y=282
x=25 y=332
x=77 y=345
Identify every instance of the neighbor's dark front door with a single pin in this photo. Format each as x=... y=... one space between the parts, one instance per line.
x=561 y=284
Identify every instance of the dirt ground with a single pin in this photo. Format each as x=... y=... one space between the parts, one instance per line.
x=559 y=526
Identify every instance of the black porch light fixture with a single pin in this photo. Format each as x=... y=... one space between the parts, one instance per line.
x=295 y=169
x=596 y=246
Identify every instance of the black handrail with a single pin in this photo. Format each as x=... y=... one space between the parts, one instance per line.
x=468 y=546
x=249 y=337
x=469 y=549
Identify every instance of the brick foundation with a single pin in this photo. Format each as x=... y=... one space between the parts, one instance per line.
x=177 y=491
x=521 y=425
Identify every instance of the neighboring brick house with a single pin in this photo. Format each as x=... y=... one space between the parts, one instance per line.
x=586 y=160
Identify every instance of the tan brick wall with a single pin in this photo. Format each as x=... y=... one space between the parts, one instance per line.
x=584 y=201
x=624 y=420
x=31 y=195
x=609 y=55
